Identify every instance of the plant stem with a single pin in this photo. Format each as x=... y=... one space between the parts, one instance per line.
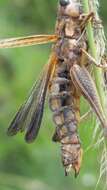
x=92 y=46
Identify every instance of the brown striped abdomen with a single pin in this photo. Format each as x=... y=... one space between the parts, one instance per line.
x=64 y=102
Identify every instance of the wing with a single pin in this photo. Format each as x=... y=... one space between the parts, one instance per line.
x=82 y=79
x=30 y=114
x=27 y=41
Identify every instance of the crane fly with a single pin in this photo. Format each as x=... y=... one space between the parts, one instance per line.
x=66 y=78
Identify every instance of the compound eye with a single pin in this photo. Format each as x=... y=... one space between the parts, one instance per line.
x=64 y=2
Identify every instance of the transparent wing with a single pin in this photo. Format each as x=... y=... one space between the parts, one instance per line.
x=27 y=41
x=30 y=114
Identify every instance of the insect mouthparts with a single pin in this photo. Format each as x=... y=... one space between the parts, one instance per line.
x=64 y=2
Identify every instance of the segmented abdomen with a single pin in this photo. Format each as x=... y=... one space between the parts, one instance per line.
x=64 y=102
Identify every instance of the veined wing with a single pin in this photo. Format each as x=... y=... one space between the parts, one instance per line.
x=30 y=114
x=27 y=41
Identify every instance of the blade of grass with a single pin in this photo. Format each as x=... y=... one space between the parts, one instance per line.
x=92 y=46
x=98 y=78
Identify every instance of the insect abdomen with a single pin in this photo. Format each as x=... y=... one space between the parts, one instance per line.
x=65 y=109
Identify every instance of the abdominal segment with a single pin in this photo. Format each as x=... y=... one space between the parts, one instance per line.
x=64 y=103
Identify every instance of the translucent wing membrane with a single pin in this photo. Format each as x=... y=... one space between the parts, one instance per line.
x=30 y=111
x=27 y=41
x=30 y=114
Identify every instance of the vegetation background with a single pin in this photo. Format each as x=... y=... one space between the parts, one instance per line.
x=36 y=166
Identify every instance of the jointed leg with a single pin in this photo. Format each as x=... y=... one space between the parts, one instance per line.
x=102 y=65
x=90 y=17
x=27 y=41
x=83 y=81
x=85 y=18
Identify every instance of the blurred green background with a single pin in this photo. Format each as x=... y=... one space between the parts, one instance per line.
x=36 y=166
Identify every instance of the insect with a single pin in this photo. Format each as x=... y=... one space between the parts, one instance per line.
x=65 y=78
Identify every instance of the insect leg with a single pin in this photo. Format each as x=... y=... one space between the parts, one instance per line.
x=82 y=79
x=102 y=65
x=85 y=18
x=27 y=41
